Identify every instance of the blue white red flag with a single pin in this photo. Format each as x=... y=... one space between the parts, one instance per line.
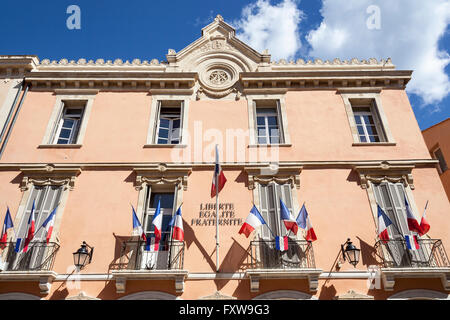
x=157 y=222
x=218 y=176
x=424 y=225
x=287 y=218
x=383 y=223
x=177 y=224
x=48 y=224
x=254 y=220
x=304 y=222
x=7 y=224
x=31 y=228
x=281 y=243
x=413 y=225
x=137 y=227
x=412 y=243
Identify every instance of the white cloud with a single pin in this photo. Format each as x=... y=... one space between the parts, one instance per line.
x=274 y=27
x=409 y=33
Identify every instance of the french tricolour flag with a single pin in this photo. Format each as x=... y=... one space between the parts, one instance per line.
x=424 y=225
x=253 y=221
x=305 y=223
x=157 y=222
x=383 y=223
x=48 y=224
x=287 y=218
x=177 y=224
x=218 y=176
x=281 y=243
x=31 y=228
x=7 y=224
x=137 y=227
x=411 y=242
x=413 y=225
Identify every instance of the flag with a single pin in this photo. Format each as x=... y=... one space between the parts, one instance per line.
x=218 y=175
x=383 y=223
x=287 y=218
x=31 y=228
x=254 y=220
x=177 y=224
x=413 y=225
x=424 y=225
x=7 y=224
x=137 y=227
x=157 y=222
x=281 y=243
x=304 y=222
x=412 y=243
x=48 y=224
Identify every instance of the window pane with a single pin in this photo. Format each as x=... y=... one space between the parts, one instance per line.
x=266 y=110
x=260 y=121
x=362 y=139
x=162 y=141
x=63 y=141
x=272 y=121
x=360 y=130
x=358 y=119
x=65 y=133
x=368 y=120
x=68 y=123
x=176 y=123
x=164 y=123
x=262 y=132
x=165 y=198
x=374 y=139
x=262 y=140
x=371 y=130
x=163 y=133
x=274 y=139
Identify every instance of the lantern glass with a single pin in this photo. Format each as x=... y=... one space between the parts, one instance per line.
x=80 y=257
x=352 y=254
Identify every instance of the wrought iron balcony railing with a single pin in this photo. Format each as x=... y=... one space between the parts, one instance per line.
x=264 y=255
x=40 y=256
x=134 y=256
x=395 y=254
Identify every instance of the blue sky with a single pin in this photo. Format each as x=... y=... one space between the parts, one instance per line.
x=147 y=29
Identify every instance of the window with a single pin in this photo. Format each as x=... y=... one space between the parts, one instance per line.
x=439 y=156
x=270 y=207
x=268 y=124
x=367 y=123
x=46 y=198
x=160 y=259
x=391 y=198
x=68 y=126
x=169 y=123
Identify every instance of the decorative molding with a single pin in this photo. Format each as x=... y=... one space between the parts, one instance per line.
x=353 y=295
x=385 y=171
x=420 y=294
x=121 y=277
x=82 y=296
x=312 y=275
x=218 y=296
x=285 y=294
x=163 y=173
x=278 y=174
x=389 y=275
x=49 y=175
x=44 y=278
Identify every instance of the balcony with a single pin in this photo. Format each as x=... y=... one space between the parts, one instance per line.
x=429 y=261
x=34 y=265
x=266 y=262
x=137 y=263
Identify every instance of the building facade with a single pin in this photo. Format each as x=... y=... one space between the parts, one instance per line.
x=437 y=138
x=93 y=138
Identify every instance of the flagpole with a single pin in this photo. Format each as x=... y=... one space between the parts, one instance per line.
x=217 y=212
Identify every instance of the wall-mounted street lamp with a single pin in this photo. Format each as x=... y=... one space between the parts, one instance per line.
x=80 y=258
x=350 y=252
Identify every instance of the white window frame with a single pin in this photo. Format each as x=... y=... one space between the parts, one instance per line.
x=88 y=97
x=372 y=99
x=154 y=120
x=252 y=101
x=266 y=116
x=74 y=130
x=361 y=114
x=170 y=137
